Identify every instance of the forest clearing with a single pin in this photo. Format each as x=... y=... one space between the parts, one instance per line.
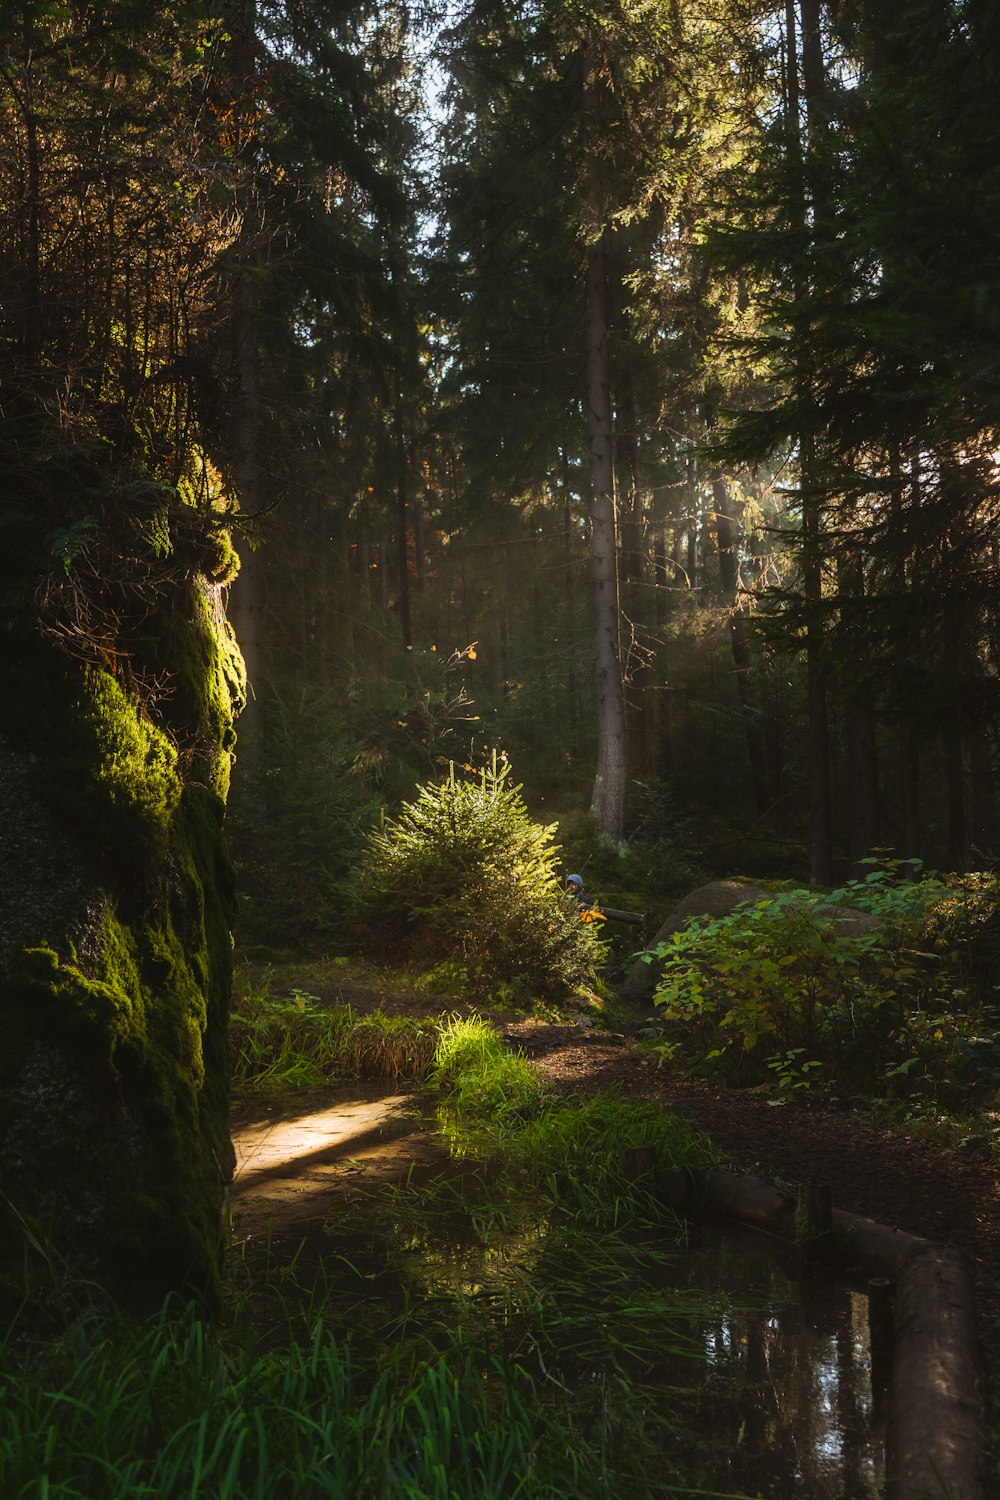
x=499 y=734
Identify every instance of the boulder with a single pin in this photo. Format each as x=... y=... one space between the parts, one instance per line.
x=718 y=899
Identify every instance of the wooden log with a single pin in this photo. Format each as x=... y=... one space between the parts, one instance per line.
x=874 y=1248
x=679 y=1188
x=752 y=1200
x=633 y=918
x=814 y=1216
x=936 y=1440
x=638 y=1161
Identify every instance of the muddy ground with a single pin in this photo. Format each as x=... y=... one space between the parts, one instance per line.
x=950 y=1194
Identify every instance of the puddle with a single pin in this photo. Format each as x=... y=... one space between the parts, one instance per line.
x=730 y=1370
x=787 y=1386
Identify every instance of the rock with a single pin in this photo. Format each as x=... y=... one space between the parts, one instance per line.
x=718 y=899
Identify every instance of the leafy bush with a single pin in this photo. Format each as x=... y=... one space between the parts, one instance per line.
x=793 y=990
x=464 y=874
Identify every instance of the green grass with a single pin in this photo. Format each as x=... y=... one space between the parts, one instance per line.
x=471 y=1337
x=169 y=1408
x=280 y=1045
x=492 y=1103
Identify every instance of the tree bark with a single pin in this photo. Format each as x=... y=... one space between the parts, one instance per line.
x=820 y=814
x=247 y=598
x=863 y=812
x=611 y=779
x=402 y=514
x=247 y=603
x=727 y=542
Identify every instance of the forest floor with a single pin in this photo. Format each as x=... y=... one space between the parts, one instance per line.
x=942 y=1190
x=945 y=1193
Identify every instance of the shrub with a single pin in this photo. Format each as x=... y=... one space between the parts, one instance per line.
x=464 y=874
x=791 y=990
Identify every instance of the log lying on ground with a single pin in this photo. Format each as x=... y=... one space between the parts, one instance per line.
x=631 y=918
x=935 y=1433
x=936 y=1442
x=875 y=1248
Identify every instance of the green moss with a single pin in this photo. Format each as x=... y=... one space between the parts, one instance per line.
x=114 y=1141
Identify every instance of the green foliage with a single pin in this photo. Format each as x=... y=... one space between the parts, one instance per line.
x=464 y=873
x=552 y=1147
x=483 y=1082
x=494 y=1105
x=281 y=1044
x=170 y=1408
x=796 y=988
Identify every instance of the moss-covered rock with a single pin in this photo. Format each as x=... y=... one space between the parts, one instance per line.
x=116 y=902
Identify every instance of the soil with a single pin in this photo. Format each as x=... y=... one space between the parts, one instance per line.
x=946 y=1193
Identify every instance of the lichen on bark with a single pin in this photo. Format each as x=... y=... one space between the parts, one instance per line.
x=116 y=902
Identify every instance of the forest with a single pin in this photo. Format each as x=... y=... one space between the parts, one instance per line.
x=448 y=446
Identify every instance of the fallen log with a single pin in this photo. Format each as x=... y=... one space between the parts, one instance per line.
x=935 y=1432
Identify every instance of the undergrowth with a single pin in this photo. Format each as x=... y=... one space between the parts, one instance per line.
x=898 y=1001
x=169 y=1408
x=279 y=1044
x=504 y=1370
x=464 y=875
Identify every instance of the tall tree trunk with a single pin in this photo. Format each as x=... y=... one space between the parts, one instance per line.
x=863 y=813
x=611 y=779
x=955 y=781
x=863 y=821
x=820 y=813
x=726 y=531
x=248 y=598
x=568 y=631
x=638 y=655
x=402 y=513
x=983 y=799
x=910 y=782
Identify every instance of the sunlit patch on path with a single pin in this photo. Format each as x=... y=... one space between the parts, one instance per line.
x=290 y=1164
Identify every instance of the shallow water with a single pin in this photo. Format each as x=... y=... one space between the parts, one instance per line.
x=722 y=1365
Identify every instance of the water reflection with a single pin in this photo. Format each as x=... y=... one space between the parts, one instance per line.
x=787 y=1390
x=717 y=1366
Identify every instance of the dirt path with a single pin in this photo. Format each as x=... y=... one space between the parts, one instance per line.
x=946 y=1194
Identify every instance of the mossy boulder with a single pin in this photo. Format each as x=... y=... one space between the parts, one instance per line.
x=116 y=904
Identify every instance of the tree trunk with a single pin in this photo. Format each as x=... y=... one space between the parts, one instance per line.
x=820 y=815
x=568 y=630
x=957 y=832
x=726 y=534
x=402 y=515
x=863 y=814
x=247 y=599
x=862 y=777
x=910 y=780
x=611 y=780
x=247 y=602
x=983 y=796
